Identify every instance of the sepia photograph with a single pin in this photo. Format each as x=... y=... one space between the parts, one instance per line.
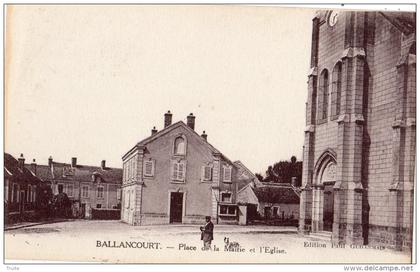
x=215 y=134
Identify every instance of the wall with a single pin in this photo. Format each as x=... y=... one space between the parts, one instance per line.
x=331 y=46
x=384 y=152
x=288 y=209
x=153 y=208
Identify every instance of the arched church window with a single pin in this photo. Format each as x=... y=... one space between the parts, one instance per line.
x=329 y=173
x=323 y=97
x=336 y=91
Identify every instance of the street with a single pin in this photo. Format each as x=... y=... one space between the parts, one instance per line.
x=116 y=242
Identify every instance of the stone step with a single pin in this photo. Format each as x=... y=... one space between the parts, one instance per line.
x=321 y=235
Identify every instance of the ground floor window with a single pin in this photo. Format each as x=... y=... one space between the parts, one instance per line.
x=29 y=194
x=227 y=210
x=15 y=193
x=33 y=194
x=276 y=211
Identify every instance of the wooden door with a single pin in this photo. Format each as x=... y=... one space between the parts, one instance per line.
x=176 y=207
x=328 y=207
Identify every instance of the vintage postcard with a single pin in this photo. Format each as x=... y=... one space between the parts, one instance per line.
x=209 y=134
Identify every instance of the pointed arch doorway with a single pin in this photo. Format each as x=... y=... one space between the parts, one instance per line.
x=324 y=195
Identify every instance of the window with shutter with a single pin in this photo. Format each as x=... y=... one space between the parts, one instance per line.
x=149 y=168
x=175 y=171
x=207 y=173
x=227 y=174
x=118 y=194
x=181 y=171
x=178 y=171
x=133 y=169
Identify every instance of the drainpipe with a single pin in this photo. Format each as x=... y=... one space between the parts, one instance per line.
x=217 y=212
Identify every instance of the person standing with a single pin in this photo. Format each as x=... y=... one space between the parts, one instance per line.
x=207 y=233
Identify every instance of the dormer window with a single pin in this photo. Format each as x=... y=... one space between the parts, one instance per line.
x=96 y=177
x=180 y=146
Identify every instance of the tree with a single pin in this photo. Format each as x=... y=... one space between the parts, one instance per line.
x=283 y=172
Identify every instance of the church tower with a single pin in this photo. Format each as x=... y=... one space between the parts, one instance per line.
x=359 y=149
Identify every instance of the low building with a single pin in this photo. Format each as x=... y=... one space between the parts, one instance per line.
x=270 y=202
x=177 y=176
x=88 y=187
x=21 y=189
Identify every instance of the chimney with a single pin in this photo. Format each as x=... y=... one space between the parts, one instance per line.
x=103 y=164
x=50 y=161
x=33 y=166
x=154 y=130
x=294 y=181
x=168 y=119
x=204 y=135
x=191 y=121
x=21 y=161
x=73 y=162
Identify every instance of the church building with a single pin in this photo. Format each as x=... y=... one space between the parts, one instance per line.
x=176 y=176
x=360 y=135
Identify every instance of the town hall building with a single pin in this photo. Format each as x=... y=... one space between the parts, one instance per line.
x=359 y=150
x=176 y=176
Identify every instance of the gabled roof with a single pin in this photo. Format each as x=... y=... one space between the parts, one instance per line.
x=44 y=172
x=83 y=173
x=12 y=170
x=245 y=176
x=277 y=193
x=168 y=129
x=241 y=166
x=246 y=195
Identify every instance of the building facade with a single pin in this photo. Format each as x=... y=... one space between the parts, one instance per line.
x=21 y=190
x=176 y=176
x=88 y=187
x=272 y=202
x=359 y=150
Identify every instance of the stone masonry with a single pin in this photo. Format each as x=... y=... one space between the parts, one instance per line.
x=360 y=128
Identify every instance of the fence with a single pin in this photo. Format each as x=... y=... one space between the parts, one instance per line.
x=106 y=214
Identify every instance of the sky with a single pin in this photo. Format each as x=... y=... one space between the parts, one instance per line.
x=91 y=81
